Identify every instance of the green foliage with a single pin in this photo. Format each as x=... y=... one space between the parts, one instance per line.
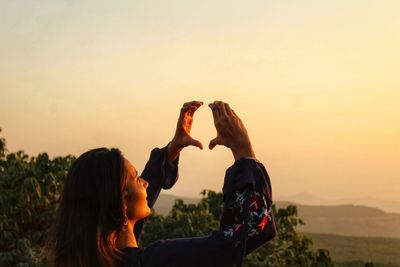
x=29 y=189
x=185 y=219
x=289 y=248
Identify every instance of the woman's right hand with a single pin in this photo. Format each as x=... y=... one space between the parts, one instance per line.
x=230 y=131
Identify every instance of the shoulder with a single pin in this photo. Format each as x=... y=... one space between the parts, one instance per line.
x=130 y=257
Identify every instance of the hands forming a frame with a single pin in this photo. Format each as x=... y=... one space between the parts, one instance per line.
x=231 y=131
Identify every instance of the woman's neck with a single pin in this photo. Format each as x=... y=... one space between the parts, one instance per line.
x=127 y=238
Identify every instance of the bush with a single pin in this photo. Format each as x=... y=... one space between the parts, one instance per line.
x=30 y=188
x=289 y=248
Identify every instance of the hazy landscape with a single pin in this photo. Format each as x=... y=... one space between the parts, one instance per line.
x=311 y=199
x=315 y=83
x=348 y=220
x=353 y=234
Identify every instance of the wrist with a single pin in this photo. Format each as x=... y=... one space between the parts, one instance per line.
x=245 y=150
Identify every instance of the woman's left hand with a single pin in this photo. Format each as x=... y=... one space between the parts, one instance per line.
x=182 y=136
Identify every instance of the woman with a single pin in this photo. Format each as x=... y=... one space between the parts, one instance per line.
x=104 y=203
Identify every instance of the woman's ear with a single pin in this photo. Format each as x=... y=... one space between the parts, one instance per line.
x=126 y=193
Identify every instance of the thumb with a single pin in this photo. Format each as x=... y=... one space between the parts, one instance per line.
x=197 y=143
x=214 y=142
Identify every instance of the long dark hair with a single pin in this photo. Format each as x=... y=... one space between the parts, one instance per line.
x=91 y=211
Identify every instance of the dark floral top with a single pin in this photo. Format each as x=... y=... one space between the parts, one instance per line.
x=247 y=221
x=259 y=214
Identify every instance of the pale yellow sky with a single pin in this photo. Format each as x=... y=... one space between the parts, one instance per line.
x=316 y=82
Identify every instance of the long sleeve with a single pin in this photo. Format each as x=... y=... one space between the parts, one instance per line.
x=246 y=224
x=161 y=174
x=247 y=219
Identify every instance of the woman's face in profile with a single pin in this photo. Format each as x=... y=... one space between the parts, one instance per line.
x=135 y=195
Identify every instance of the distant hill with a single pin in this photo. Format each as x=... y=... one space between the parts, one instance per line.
x=307 y=198
x=165 y=202
x=346 y=220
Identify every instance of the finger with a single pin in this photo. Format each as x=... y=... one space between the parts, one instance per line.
x=189 y=108
x=193 y=103
x=196 y=103
x=213 y=143
x=215 y=111
x=228 y=110
x=234 y=113
x=184 y=109
x=221 y=108
x=197 y=143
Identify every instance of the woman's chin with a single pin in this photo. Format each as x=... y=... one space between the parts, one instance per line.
x=149 y=211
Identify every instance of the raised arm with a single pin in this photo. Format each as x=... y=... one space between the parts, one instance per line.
x=246 y=184
x=247 y=220
x=247 y=215
x=161 y=170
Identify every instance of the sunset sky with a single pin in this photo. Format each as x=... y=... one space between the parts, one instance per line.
x=317 y=84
